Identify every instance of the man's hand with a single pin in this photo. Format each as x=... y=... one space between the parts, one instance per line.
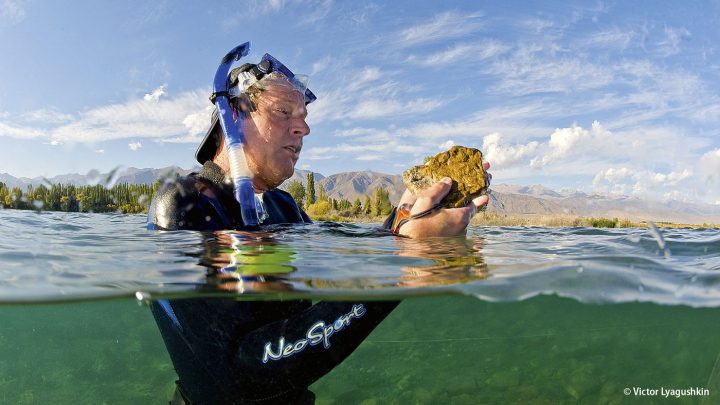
x=443 y=222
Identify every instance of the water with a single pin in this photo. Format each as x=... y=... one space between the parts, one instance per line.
x=505 y=315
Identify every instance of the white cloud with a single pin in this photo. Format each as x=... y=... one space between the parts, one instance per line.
x=450 y=24
x=385 y=108
x=670 y=179
x=536 y=69
x=565 y=139
x=670 y=45
x=517 y=120
x=576 y=143
x=306 y=12
x=363 y=150
x=709 y=112
x=503 y=156
x=11 y=12
x=614 y=38
x=320 y=11
x=322 y=64
x=612 y=175
x=640 y=181
x=363 y=78
x=466 y=53
x=367 y=93
x=100 y=151
x=198 y=122
x=134 y=146
x=709 y=166
x=318 y=153
x=447 y=144
x=536 y=25
x=357 y=132
x=46 y=116
x=154 y=96
x=658 y=93
x=20 y=132
x=562 y=142
x=369 y=157
x=174 y=119
x=180 y=119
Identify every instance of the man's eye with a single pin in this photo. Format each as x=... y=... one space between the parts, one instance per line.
x=283 y=111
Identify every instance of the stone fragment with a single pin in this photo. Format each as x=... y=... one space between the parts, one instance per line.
x=463 y=165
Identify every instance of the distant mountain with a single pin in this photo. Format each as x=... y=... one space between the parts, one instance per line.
x=11 y=181
x=521 y=204
x=301 y=176
x=541 y=201
x=119 y=175
x=350 y=185
x=505 y=199
x=535 y=190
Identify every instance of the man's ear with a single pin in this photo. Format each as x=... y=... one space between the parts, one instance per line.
x=245 y=104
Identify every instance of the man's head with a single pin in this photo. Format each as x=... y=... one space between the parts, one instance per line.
x=273 y=103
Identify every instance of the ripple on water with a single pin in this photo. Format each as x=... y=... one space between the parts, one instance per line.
x=50 y=256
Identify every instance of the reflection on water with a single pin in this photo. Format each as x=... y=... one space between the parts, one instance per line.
x=69 y=256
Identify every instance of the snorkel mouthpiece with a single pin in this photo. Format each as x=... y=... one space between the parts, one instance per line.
x=234 y=137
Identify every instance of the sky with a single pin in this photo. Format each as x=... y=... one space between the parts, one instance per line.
x=609 y=97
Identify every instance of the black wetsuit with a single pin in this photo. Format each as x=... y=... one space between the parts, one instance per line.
x=233 y=352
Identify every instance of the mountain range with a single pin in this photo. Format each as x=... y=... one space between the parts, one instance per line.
x=505 y=199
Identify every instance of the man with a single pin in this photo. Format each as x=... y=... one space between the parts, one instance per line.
x=228 y=351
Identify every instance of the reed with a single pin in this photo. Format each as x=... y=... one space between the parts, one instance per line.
x=552 y=221
x=495 y=219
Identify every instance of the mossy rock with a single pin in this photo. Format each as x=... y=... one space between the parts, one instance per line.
x=463 y=165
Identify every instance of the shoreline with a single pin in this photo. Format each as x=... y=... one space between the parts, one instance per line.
x=548 y=221
x=488 y=219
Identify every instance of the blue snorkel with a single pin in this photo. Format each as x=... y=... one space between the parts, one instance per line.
x=234 y=137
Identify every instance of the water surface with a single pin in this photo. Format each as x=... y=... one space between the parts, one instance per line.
x=504 y=315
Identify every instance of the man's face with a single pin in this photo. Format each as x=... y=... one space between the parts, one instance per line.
x=274 y=133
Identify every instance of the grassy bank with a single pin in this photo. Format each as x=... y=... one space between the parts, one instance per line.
x=494 y=219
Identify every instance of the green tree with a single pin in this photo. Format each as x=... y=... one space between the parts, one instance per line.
x=344 y=205
x=297 y=191
x=310 y=194
x=356 y=207
x=17 y=199
x=322 y=196
x=367 y=205
x=4 y=194
x=319 y=208
x=382 y=204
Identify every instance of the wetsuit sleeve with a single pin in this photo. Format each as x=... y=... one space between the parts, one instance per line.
x=179 y=206
x=290 y=354
x=390 y=219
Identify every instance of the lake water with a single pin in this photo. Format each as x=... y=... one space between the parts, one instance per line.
x=504 y=315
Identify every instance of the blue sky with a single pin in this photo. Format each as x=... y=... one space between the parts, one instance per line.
x=619 y=97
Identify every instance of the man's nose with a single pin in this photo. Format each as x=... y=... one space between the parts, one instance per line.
x=300 y=127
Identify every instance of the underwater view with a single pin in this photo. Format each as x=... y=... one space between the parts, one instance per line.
x=503 y=315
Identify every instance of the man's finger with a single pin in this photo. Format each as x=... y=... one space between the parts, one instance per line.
x=480 y=201
x=432 y=195
x=407 y=198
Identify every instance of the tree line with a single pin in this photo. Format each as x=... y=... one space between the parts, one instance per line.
x=122 y=197
x=135 y=198
x=319 y=204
